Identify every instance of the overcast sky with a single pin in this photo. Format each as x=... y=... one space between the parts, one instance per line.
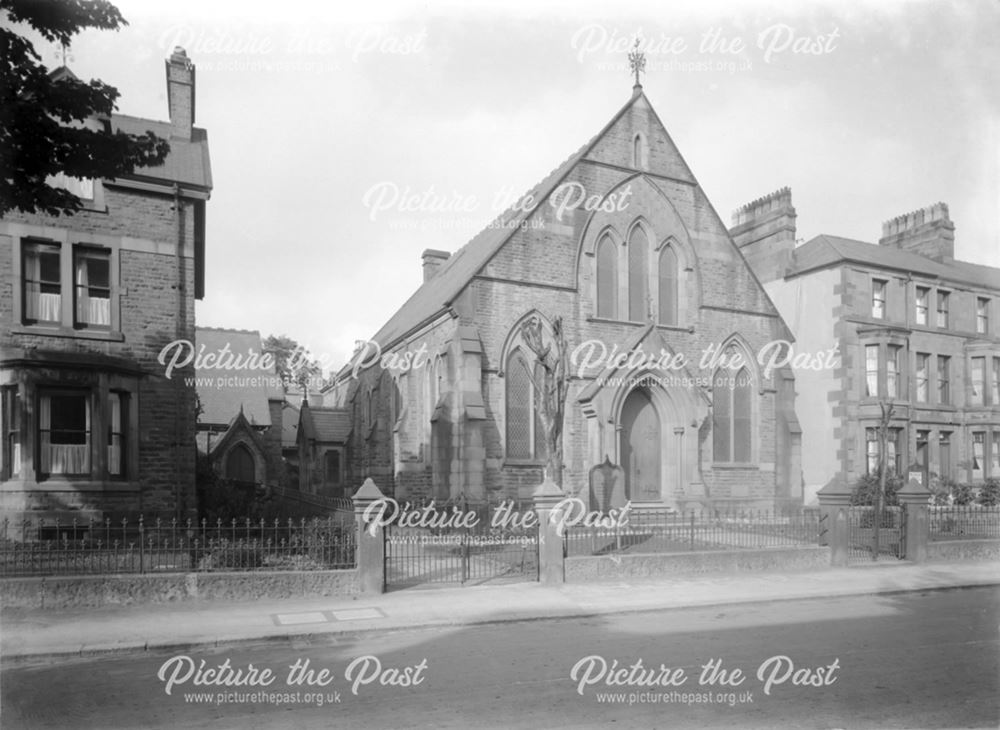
x=316 y=115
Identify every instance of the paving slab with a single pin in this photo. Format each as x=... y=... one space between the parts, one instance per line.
x=27 y=634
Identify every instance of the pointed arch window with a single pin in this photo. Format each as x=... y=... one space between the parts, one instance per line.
x=732 y=416
x=525 y=438
x=668 y=277
x=607 y=278
x=638 y=288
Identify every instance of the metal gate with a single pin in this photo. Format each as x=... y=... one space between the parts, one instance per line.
x=891 y=536
x=482 y=553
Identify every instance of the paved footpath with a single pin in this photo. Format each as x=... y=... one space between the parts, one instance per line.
x=26 y=634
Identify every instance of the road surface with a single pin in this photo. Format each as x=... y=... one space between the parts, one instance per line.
x=910 y=660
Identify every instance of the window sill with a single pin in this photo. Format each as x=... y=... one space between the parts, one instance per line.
x=933 y=406
x=636 y=323
x=606 y=320
x=736 y=465
x=66 y=484
x=524 y=463
x=71 y=332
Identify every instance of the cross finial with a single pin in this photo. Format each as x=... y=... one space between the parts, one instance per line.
x=63 y=54
x=637 y=62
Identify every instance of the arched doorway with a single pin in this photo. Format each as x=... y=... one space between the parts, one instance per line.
x=239 y=465
x=641 y=447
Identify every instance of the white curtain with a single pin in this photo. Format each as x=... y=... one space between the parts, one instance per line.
x=62 y=458
x=871 y=370
x=40 y=307
x=90 y=309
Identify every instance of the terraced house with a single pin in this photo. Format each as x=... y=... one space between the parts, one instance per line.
x=914 y=326
x=92 y=428
x=646 y=266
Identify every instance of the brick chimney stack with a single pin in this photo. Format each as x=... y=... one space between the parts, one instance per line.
x=433 y=260
x=928 y=231
x=764 y=230
x=180 y=93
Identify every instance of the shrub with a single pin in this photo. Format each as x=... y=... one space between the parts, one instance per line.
x=963 y=494
x=989 y=495
x=867 y=487
x=868 y=519
x=940 y=489
x=233 y=556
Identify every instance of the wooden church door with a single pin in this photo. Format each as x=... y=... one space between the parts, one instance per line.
x=641 y=446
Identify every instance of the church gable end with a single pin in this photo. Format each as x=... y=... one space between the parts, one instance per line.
x=622 y=247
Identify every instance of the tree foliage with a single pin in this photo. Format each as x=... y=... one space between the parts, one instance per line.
x=42 y=130
x=292 y=362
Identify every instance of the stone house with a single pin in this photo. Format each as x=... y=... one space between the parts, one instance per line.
x=92 y=425
x=912 y=324
x=620 y=243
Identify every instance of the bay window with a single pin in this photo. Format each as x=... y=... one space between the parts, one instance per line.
x=117 y=434
x=64 y=433
x=11 y=406
x=944 y=379
x=978 y=381
x=893 y=453
x=892 y=371
x=871 y=371
x=978 y=455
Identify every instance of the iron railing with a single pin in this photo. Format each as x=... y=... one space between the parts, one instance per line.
x=964 y=522
x=451 y=547
x=163 y=546
x=861 y=534
x=677 y=532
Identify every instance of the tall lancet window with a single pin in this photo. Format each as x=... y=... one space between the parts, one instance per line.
x=639 y=157
x=525 y=437
x=607 y=279
x=668 y=285
x=732 y=416
x=638 y=289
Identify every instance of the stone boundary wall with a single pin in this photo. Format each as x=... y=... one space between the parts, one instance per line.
x=94 y=591
x=952 y=550
x=583 y=569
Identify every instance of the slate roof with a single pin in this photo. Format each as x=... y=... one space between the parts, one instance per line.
x=188 y=161
x=325 y=424
x=249 y=389
x=826 y=250
x=434 y=296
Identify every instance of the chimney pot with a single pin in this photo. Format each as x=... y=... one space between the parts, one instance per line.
x=180 y=93
x=764 y=230
x=927 y=231
x=432 y=261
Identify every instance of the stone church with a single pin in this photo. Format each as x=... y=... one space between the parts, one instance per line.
x=663 y=321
